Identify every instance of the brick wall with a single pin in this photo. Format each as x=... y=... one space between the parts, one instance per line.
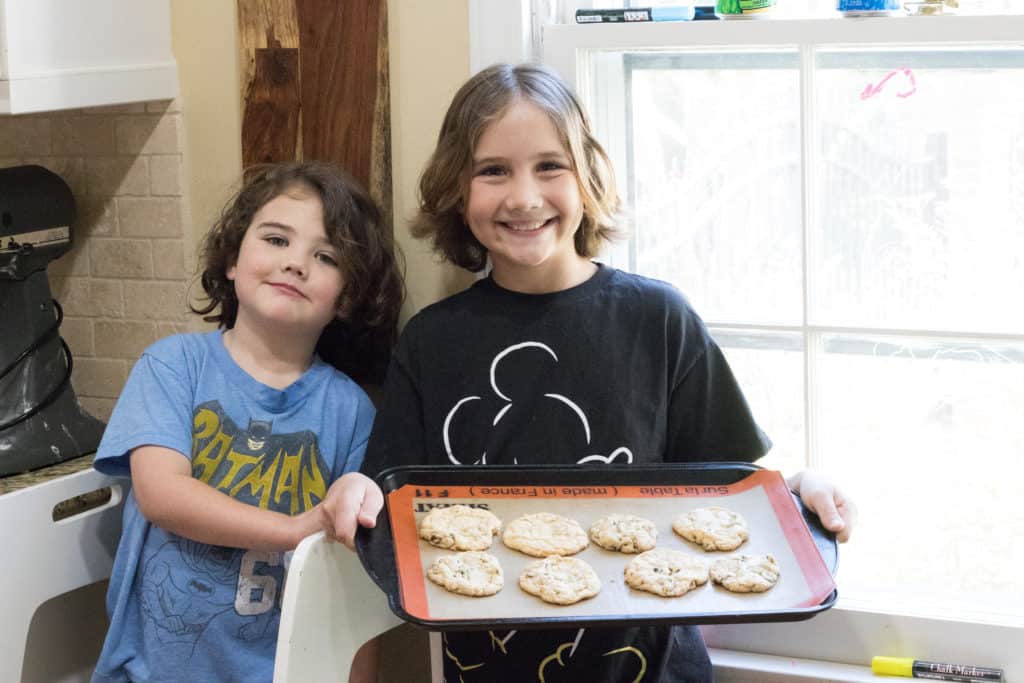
x=123 y=285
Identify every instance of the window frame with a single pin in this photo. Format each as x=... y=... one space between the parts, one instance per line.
x=847 y=633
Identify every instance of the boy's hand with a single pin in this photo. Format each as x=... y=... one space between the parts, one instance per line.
x=836 y=511
x=304 y=524
x=352 y=500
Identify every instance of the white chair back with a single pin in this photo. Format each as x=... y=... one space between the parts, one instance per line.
x=329 y=609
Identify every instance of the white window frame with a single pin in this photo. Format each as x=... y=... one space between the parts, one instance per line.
x=839 y=643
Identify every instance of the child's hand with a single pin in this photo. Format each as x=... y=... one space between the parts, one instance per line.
x=352 y=500
x=837 y=513
x=303 y=524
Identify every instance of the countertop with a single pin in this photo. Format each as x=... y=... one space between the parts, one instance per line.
x=16 y=482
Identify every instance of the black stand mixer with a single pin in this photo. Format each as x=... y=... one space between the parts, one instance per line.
x=41 y=421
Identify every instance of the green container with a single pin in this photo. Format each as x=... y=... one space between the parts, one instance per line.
x=743 y=9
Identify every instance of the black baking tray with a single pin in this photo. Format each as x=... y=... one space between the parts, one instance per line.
x=376 y=548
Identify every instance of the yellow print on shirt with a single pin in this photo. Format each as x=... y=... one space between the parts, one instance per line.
x=280 y=472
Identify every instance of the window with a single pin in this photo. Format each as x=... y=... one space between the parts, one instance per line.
x=843 y=203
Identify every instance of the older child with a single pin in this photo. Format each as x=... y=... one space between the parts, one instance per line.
x=232 y=438
x=552 y=358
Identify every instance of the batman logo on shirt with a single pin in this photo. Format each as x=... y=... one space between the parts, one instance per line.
x=280 y=472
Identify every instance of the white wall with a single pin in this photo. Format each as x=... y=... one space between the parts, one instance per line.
x=429 y=47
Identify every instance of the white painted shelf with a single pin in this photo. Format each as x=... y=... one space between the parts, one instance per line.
x=56 y=54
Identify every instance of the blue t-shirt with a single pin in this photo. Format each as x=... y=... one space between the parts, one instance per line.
x=184 y=610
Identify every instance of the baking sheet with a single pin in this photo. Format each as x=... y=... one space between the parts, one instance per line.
x=397 y=559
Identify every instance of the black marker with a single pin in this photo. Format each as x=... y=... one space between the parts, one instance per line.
x=606 y=16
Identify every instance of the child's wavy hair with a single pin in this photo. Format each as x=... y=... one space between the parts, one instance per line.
x=358 y=341
x=444 y=185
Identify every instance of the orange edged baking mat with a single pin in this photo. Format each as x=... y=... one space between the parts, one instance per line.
x=397 y=558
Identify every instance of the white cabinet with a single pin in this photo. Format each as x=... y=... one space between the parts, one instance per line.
x=65 y=54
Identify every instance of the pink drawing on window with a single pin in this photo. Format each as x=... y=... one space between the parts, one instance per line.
x=911 y=84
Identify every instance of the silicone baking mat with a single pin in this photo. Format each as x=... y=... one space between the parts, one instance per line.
x=397 y=558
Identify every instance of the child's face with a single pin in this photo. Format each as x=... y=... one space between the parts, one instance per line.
x=524 y=203
x=287 y=273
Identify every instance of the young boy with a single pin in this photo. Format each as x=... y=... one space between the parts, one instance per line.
x=232 y=437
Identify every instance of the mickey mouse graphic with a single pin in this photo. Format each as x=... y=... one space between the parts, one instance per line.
x=500 y=415
x=496 y=416
x=559 y=666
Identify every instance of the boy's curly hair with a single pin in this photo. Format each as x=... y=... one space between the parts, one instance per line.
x=358 y=341
x=444 y=185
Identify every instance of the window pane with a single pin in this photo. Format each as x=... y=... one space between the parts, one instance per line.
x=920 y=204
x=716 y=180
x=770 y=368
x=916 y=228
x=928 y=438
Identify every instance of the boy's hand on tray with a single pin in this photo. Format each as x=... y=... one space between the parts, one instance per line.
x=351 y=501
x=836 y=511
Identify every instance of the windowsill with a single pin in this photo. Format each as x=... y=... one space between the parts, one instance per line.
x=731 y=665
x=838 y=644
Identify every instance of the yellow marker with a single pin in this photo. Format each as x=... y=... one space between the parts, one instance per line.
x=916 y=668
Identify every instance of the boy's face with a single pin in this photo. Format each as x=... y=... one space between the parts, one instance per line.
x=287 y=273
x=524 y=203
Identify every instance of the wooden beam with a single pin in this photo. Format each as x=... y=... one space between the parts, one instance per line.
x=315 y=85
x=339 y=80
x=268 y=39
x=270 y=119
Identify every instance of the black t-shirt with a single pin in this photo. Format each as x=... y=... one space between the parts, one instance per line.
x=618 y=369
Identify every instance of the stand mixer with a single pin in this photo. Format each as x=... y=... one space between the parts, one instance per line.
x=41 y=421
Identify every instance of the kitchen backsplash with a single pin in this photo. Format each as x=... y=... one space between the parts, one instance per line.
x=123 y=284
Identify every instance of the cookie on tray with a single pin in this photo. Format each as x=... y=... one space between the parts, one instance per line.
x=560 y=580
x=472 y=573
x=624 y=533
x=746 y=573
x=712 y=528
x=664 y=572
x=459 y=527
x=541 y=534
